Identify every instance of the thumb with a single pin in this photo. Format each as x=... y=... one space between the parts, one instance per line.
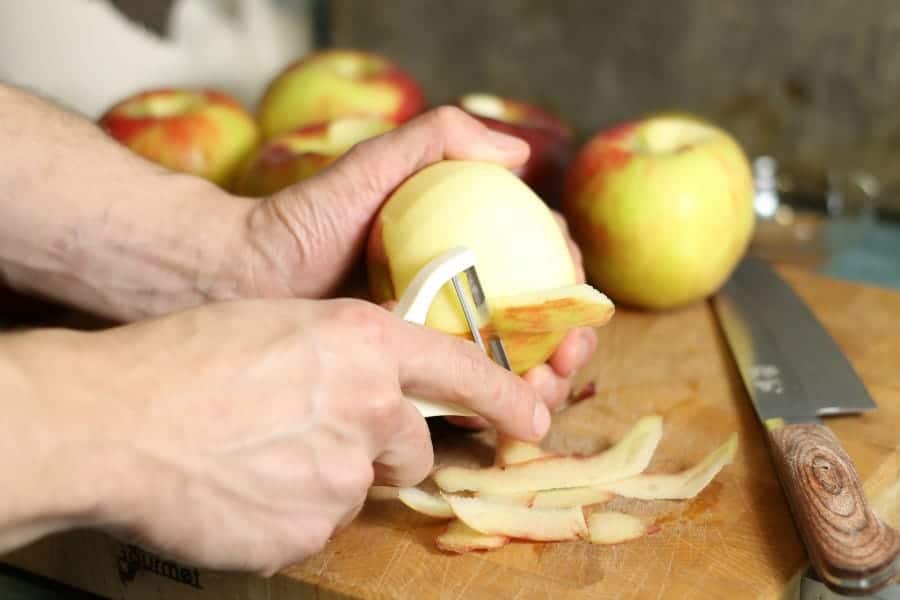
x=330 y=214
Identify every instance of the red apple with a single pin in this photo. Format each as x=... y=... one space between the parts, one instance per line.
x=291 y=157
x=551 y=140
x=338 y=83
x=203 y=132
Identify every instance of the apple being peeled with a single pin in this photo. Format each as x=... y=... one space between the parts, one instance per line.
x=291 y=157
x=338 y=83
x=203 y=132
x=551 y=141
x=522 y=256
x=662 y=209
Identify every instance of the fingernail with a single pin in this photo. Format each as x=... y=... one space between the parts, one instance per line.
x=504 y=141
x=541 y=421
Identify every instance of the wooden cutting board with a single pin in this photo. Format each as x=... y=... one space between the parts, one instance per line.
x=735 y=540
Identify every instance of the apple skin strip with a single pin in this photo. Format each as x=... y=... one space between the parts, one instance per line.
x=521 y=522
x=459 y=538
x=425 y=503
x=511 y=451
x=559 y=309
x=566 y=497
x=615 y=528
x=627 y=458
x=677 y=486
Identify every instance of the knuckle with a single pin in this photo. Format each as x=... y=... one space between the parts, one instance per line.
x=350 y=479
x=384 y=405
x=448 y=117
x=364 y=320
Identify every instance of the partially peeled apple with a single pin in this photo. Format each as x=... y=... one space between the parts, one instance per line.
x=523 y=257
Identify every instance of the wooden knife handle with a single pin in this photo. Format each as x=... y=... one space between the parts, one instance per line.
x=850 y=548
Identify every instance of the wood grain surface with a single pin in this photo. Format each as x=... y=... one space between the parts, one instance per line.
x=845 y=539
x=737 y=535
x=735 y=540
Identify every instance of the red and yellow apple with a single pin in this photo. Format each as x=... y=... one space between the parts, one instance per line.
x=523 y=258
x=203 y=132
x=550 y=139
x=291 y=157
x=338 y=83
x=662 y=209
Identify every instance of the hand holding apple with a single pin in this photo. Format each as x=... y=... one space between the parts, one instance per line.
x=338 y=83
x=662 y=209
x=307 y=238
x=203 y=132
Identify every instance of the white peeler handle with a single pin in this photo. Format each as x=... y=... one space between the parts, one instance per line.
x=415 y=302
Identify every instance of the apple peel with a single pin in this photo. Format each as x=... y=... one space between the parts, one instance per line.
x=677 y=486
x=511 y=451
x=565 y=497
x=612 y=527
x=522 y=522
x=629 y=457
x=459 y=538
x=425 y=503
x=556 y=309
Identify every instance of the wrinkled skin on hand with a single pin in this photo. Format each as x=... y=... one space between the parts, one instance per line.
x=282 y=425
x=310 y=236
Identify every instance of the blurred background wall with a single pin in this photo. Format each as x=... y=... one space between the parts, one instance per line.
x=815 y=83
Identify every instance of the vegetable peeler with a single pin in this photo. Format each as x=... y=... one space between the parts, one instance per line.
x=416 y=300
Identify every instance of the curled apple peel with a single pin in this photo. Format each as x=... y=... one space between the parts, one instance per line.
x=459 y=538
x=677 y=486
x=511 y=451
x=523 y=507
x=627 y=458
x=522 y=522
x=425 y=503
x=578 y=496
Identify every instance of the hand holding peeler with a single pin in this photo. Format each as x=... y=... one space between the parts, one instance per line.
x=417 y=299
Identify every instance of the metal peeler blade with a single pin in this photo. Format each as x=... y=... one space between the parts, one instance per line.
x=416 y=300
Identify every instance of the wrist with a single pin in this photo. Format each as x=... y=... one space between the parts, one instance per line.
x=162 y=243
x=56 y=468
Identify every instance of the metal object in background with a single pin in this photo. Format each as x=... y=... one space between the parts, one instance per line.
x=795 y=374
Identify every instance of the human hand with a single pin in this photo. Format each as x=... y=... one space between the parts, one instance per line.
x=308 y=236
x=240 y=435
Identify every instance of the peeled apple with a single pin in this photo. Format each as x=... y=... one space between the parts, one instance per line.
x=523 y=257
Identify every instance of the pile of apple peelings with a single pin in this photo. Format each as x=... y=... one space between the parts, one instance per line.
x=532 y=495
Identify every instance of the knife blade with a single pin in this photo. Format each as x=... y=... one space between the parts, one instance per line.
x=795 y=373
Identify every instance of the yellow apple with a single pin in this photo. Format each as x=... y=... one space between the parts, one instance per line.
x=291 y=157
x=662 y=209
x=522 y=256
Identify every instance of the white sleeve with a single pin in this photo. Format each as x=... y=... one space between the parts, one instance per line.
x=85 y=55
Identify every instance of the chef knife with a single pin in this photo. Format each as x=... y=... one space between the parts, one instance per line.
x=795 y=374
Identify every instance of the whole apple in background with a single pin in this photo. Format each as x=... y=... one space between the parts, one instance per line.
x=551 y=140
x=203 y=132
x=337 y=83
x=523 y=258
x=662 y=209
x=290 y=157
